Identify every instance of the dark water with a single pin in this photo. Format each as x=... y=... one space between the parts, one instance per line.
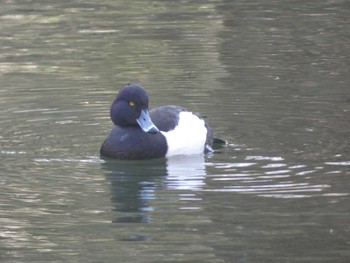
x=272 y=78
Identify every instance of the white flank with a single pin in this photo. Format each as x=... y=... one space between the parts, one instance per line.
x=188 y=137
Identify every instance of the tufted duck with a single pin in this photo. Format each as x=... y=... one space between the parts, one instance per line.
x=164 y=131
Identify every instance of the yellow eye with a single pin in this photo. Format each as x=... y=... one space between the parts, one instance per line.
x=131 y=103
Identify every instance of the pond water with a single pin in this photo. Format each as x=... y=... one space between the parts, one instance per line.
x=271 y=78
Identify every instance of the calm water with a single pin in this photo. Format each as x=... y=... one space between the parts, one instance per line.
x=271 y=78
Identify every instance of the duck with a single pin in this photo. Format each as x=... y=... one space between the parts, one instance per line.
x=139 y=133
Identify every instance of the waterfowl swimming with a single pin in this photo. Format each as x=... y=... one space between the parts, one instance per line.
x=163 y=131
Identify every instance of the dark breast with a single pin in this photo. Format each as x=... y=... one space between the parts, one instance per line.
x=132 y=143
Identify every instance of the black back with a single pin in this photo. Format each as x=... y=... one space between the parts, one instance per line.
x=166 y=118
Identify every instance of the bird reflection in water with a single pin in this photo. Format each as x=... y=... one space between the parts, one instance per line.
x=134 y=184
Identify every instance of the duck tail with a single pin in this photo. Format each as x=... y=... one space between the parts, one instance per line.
x=218 y=141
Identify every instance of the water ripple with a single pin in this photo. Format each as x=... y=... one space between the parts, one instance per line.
x=271 y=177
x=69 y=160
x=344 y=163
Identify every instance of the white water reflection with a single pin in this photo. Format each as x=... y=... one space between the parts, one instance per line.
x=68 y=160
x=186 y=172
x=268 y=176
x=344 y=163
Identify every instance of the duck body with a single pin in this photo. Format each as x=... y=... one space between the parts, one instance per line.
x=164 y=131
